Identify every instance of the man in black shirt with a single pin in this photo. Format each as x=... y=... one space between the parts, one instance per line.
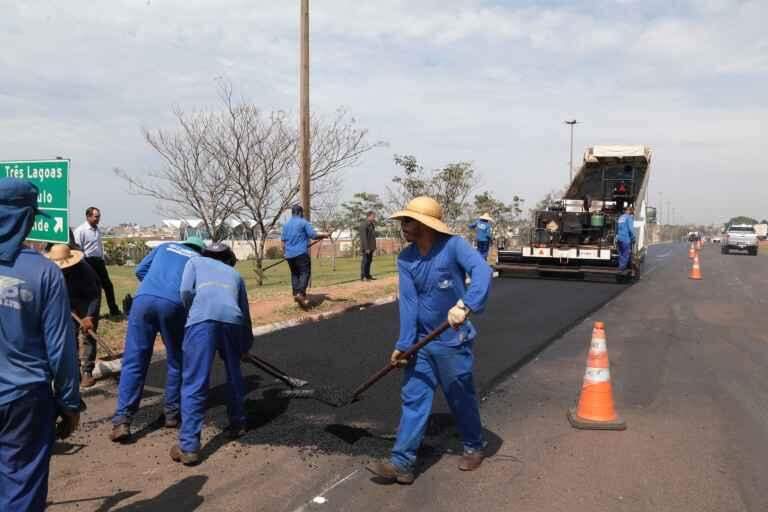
x=84 y=293
x=367 y=233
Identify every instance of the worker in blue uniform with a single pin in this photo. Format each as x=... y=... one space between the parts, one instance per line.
x=432 y=289
x=38 y=356
x=625 y=237
x=483 y=227
x=219 y=320
x=296 y=236
x=156 y=309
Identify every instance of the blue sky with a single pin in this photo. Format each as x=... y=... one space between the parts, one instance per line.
x=447 y=80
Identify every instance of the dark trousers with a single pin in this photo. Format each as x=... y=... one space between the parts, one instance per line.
x=86 y=344
x=483 y=248
x=301 y=270
x=100 y=267
x=26 y=440
x=365 y=265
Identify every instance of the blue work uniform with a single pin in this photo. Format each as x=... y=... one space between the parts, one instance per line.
x=483 y=235
x=297 y=234
x=625 y=237
x=219 y=320
x=156 y=309
x=429 y=286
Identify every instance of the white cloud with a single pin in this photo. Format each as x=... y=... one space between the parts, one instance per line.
x=442 y=79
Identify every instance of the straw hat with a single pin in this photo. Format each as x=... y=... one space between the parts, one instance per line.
x=487 y=216
x=63 y=256
x=427 y=211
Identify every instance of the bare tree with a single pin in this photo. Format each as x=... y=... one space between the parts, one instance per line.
x=192 y=183
x=329 y=218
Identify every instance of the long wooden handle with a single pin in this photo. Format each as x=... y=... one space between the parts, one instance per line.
x=93 y=335
x=405 y=356
x=284 y=259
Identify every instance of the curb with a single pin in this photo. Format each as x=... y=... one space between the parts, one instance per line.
x=104 y=369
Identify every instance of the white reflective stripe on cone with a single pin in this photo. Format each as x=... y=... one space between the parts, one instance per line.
x=595 y=375
x=598 y=345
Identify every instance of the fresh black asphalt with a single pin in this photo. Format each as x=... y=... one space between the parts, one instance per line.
x=521 y=318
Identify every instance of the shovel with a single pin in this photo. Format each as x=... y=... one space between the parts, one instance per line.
x=264 y=366
x=340 y=398
x=110 y=353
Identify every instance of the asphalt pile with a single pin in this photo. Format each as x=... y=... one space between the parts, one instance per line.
x=338 y=354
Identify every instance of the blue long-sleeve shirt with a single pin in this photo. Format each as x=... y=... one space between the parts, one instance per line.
x=626 y=228
x=483 y=230
x=297 y=233
x=212 y=290
x=160 y=271
x=37 y=342
x=431 y=285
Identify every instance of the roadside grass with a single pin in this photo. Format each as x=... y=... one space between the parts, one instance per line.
x=276 y=285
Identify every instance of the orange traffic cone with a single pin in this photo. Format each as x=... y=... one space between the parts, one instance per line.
x=595 y=410
x=695 y=268
x=692 y=251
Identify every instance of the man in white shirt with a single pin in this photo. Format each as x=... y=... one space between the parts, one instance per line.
x=88 y=237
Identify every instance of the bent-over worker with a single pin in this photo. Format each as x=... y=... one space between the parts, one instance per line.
x=296 y=235
x=432 y=289
x=38 y=359
x=483 y=234
x=625 y=237
x=218 y=321
x=84 y=293
x=156 y=309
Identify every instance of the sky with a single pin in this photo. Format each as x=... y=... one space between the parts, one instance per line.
x=489 y=82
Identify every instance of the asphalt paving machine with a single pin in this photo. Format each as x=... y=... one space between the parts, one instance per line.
x=576 y=236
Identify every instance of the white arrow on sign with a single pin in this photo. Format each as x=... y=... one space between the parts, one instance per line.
x=59 y=226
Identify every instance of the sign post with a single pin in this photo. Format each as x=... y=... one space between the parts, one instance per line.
x=52 y=180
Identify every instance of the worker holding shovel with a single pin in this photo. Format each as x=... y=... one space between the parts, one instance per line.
x=219 y=320
x=432 y=288
x=296 y=235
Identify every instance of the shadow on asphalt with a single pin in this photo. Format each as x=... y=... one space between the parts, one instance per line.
x=184 y=496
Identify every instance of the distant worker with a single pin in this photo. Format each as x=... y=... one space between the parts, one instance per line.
x=367 y=233
x=157 y=308
x=296 y=235
x=483 y=234
x=625 y=237
x=219 y=320
x=432 y=270
x=88 y=238
x=84 y=294
x=38 y=361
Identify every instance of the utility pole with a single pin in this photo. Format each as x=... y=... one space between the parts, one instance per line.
x=660 y=211
x=669 y=212
x=304 y=142
x=570 y=166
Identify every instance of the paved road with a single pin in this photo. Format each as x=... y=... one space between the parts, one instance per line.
x=297 y=448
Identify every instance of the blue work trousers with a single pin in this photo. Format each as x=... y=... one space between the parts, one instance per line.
x=483 y=248
x=451 y=369
x=27 y=433
x=149 y=316
x=625 y=253
x=201 y=342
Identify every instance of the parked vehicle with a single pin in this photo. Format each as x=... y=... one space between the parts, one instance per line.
x=740 y=237
x=762 y=231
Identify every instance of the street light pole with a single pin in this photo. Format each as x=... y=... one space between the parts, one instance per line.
x=304 y=142
x=570 y=165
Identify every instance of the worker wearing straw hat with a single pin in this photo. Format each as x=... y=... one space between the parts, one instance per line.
x=483 y=234
x=432 y=289
x=84 y=293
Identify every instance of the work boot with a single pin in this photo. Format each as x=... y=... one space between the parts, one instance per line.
x=389 y=472
x=371 y=278
x=171 y=422
x=186 y=458
x=87 y=380
x=120 y=433
x=470 y=461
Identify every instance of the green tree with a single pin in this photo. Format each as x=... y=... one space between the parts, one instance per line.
x=356 y=210
x=741 y=220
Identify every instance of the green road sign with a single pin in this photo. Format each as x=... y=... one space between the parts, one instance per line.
x=52 y=180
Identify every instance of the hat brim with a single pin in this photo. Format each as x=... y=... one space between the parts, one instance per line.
x=487 y=217
x=75 y=257
x=430 y=222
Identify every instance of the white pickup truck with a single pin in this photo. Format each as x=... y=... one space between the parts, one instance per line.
x=741 y=237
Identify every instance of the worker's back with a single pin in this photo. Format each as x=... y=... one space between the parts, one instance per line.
x=160 y=271
x=213 y=290
x=36 y=336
